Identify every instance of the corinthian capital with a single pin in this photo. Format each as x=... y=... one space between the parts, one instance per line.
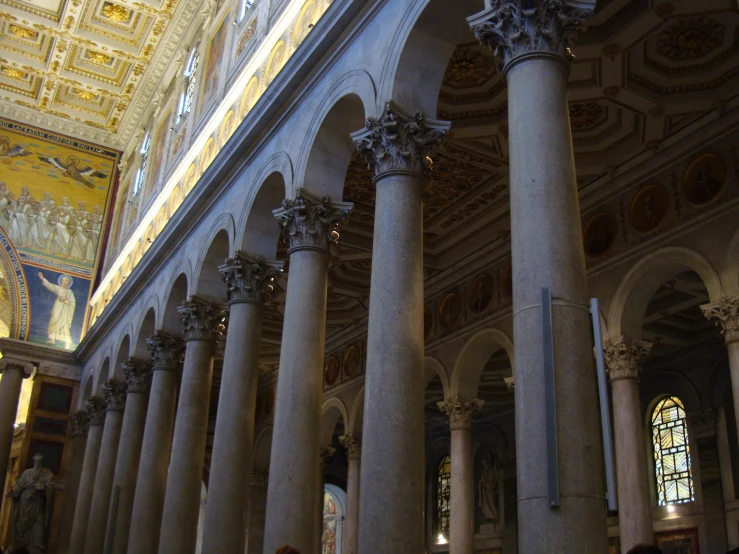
x=309 y=222
x=115 y=395
x=202 y=320
x=353 y=446
x=138 y=375
x=726 y=314
x=80 y=423
x=249 y=279
x=512 y=28
x=166 y=351
x=326 y=455
x=96 y=410
x=460 y=412
x=397 y=141
x=622 y=357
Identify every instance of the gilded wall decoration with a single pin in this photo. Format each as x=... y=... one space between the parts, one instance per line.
x=599 y=235
x=251 y=94
x=451 y=309
x=275 y=63
x=159 y=154
x=690 y=38
x=704 y=180
x=352 y=362
x=214 y=64
x=469 y=66
x=246 y=36
x=307 y=18
x=585 y=116
x=332 y=371
x=649 y=208
x=481 y=293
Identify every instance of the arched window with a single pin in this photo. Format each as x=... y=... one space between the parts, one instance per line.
x=443 y=497
x=671 y=452
x=141 y=173
x=190 y=73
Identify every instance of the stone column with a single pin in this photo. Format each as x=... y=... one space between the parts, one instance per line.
x=547 y=251
x=392 y=472
x=352 y=443
x=115 y=402
x=622 y=358
x=13 y=372
x=138 y=380
x=308 y=224
x=247 y=282
x=203 y=322
x=462 y=481
x=74 y=456
x=726 y=314
x=96 y=409
x=257 y=511
x=148 y=502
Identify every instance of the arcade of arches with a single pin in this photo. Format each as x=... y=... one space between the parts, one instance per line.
x=347 y=306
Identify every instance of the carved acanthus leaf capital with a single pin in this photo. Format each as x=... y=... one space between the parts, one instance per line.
x=259 y=478
x=80 y=423
x=202 y=320
x=115 y=395
x=623 y=356
x=326 y=455
x=96 y=410
x=138 y=375
x=166 y=351
x=249 y=279
x=396 y=141
x=460 y=412
x=512 y=28
x=353 y=445
x=309 y=222
x=726 y=314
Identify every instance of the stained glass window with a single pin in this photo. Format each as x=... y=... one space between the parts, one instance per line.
x=330 y=518
x=442 y=498
x=671 y=452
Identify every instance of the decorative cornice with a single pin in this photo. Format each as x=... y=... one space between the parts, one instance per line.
x=622 y=357
x=512 y=28
x=166 y=351
x=326 y=455
x=115 y=395
x=309 y=223
x=80 y=423
x=726 y=314
x=259 y=478
x=138 y=375
x=353 y=445
x=203 y=320
x=398 y=142
x=95 y=407
x=249 y=279
x=18 y=348
x=26 y=368
x=460 y=412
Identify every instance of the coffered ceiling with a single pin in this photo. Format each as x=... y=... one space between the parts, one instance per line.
x=87 y=67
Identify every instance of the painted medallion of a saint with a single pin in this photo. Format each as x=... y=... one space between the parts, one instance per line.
x=481 y=293
x=704 y=179
x=331 y=371
x=451 y=309
x=649 y=208
x=599 y=235
x=352 y=362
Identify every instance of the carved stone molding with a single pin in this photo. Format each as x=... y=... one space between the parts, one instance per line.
x=259 y=478
x=249 y=279
x=326 y=455
x=166 y=351
x=512 y=28
x=138 y=375
x=398 y=142
x=704 y=425
x=202 y=320
x=96 y=410
x=80 y=423
x=460 y=412
x=353 y=445
x=309 y=222
x=115 y=395
x=726 y=314
x=622 y=357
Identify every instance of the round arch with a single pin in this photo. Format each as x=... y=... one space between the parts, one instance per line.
x=102 y=375
x=356 y=413
x=432 y=368
x=473 y=357
x=216 y=248
x=177 y=293
x=122 y=354
x=730 y=269
x=146 y=328
x=332 y=410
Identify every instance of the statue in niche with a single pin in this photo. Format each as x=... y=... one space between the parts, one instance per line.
x=33 y=502
x=488 y=488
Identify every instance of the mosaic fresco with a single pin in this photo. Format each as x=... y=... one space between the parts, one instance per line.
x=54 y=196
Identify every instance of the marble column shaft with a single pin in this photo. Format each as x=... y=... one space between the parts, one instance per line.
x=291 y=496
x=202 y=321
x=247 y=281
x=351 y=517
x=138 y=380
x=725 y=312
x=95 y=407
x=73 y=463
x=115 y=401
x=13 y=373
x=392 y=471
x=462 y=480
x=632 y=482
x=257 y=511
x=547 y=251
x=148 y=503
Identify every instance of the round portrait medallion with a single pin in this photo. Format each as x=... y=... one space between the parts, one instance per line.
x=428 y=321
x=269 y=402
x=649 y=208
x=352 y=362
x=451 y=309
x=599 y=235
x=507 y=281
x=331 y=371
x=481 y=293
x=704 y=179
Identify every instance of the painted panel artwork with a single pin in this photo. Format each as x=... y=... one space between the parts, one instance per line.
x=215 y=60
x=55 y=193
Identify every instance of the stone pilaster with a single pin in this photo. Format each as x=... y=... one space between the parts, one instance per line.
x=138 y=375
x=353 y=445
x=115 y=395
x=460 y=412
x=725 y=312
x=622 y=357
x=166 y=351
x=249 y=279
x=202 y=320
x=309 y=222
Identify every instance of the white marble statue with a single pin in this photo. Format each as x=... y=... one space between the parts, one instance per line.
x=33 y=502
x=488 y=488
